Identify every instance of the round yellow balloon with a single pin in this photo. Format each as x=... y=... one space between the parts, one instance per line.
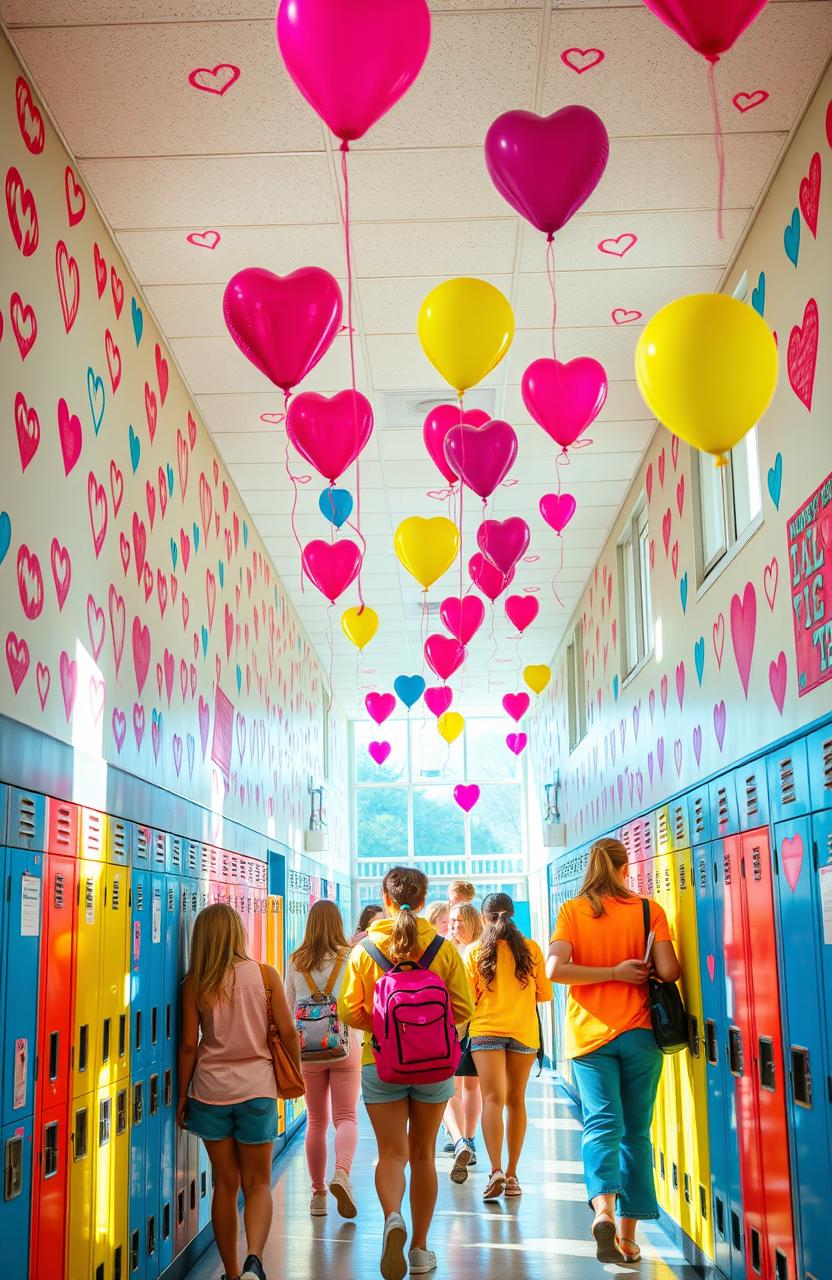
x=426 y=548
x=359 y=625
x=450 y=725
x=706 y=365
x=465 y=327
x=537 y=677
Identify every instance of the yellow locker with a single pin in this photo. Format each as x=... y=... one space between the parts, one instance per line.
x=81 y=1186
x=120 y=1183
x=664 y=1128
x=86 y=1033
x=103 y=1134
x=274 y=956
x=115 y=977
x=674 y=1067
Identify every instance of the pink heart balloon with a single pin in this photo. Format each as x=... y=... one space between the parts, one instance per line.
x=711 y=28
x=516 y=742
x=503 y=542
x=487 y=577
x=444 y=655
x=325 y=432
x=380 y=706
x=521 y=611
x=564 y=398
x=332 y=566
x=464 y=617
x=438 y=699
x=379 y=751
x=466 y=796
x=557 y=510
x=437 y=425
x=481 y=456
x=546 y=167
x=516 y=704
x=353 y=61
x=283 y=324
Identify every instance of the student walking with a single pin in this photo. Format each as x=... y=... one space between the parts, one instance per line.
x=227 y=1092
x=401 y=972
x=459 y=892
x=436 y=915
x=508 y=979
x=598 y=948
x=462 y=1115
x=371 y=912
x=330 y=1054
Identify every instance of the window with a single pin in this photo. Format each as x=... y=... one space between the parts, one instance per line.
x=634 y=575
x=728 y=503
x=575 y=687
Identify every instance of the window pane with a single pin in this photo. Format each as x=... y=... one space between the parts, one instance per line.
x=438 y=824
x=432 y=756
x=646 y=597
x=628 y=585
x=381 y=818
x=748 y=498
x=395 y=766
x=714 y=540
x=489 y=759
x=495 y=822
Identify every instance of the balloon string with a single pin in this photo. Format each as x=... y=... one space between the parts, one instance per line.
x=330 y=607
x=351 y=340
x=550 y=275
x=719 y=143
x=424 y=626
x=558 y=572
x=517 y=640
x=293 y=479
x=363 y=542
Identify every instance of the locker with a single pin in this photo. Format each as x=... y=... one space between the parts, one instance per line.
x=103 y=1137
x=664 y=830
x=56 y=989
x=94 y=835
x=86 y=1035
x=186 y=1157
x=23 y=884
x=159 y=851
x=174 y=855
x=115 y=976
x=154 y=952
x=170 y=944
x=140 y=915
x=119 y=841
x=118 y=1256
x=819 y=749
x=17 y=1195
x=722 y=798
x=26 y=820
x=50 y=1189
x=83 y=1137
x=140 y=1167
x=822 y=852
x=751 y=782
x=140 y=846
x=788 y=781
x=203 y=1186
x=152 y=1177
x=160 y=1191
x=680 y=823
x=660 y=876
x=699 y=813
x=62 y=828
x=4 y=811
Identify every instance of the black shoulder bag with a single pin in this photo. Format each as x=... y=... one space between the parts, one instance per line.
x=667 y=1012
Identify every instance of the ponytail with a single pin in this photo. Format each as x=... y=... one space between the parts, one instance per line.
x=498 y=919
x=406 y=889
x=602 y=878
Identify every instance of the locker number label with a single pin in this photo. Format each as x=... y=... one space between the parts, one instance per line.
x=156 y=917
x=21 y=1073
x=89 y=900
x=29 y=906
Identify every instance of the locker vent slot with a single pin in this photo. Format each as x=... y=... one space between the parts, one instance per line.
x=167 y=1087
x=788 y=792
x=699 y=815
x=166 y=1222
x=138 y=1030
x=693 y=1036
x=80 y=1136
x=159 y=850
x=119 y=840
x=726 y=868
x=781 y=1265
x=756 y=1252
x=26 y=818
x=826 y=749
x=121 y=1112
x=54 y=1040
x=680 y=826
x=117 y=1263
x=757 y=863
x=122 y=1034
x=736 y=1063
x=142 y=842
x=703 y=873
x=92 y=831
x=663 y=828
x=154 y=1094
x=752 y=800
x=151 y=1235
x=154 y=1024
x=736 y=1233
x=683 y=877
x=104 y=1122
x=768 y=1077
x=50 y=1149
x=140 y=896
x=719 y=1206
x=138 y=1102
x=105 y=1046
x=703 y=1203
x=83 y=1046
x=58 y=893
x=171 y=902
x=116 y=899
x=134 y=1251
x=688 y=1192
x=722 y=809
x=63 y=827
x=675 y=1176
x=801 y=1077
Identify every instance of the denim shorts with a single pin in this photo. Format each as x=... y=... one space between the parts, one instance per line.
x=375 y=1090
x=480 y=1044
x=250 y=1123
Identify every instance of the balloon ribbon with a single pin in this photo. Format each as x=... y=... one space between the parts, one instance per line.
x=351 y=338
x=719 y=144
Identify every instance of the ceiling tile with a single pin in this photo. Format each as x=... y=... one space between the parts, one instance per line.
x=435 y=248
x=392 y=305
x=164 y=256
x=587 y=298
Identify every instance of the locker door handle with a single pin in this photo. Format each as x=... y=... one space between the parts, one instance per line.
x=693 y=1035
x=736 y=1061
x=13 y=1168
x=50 y=1150
x=768 y=1077
x=138 y=1029
x=54 y=1040
x=83 y=1046
x=801 y=1077
x=711 y=1046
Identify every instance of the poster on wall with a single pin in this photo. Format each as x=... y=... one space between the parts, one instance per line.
x=809 y=533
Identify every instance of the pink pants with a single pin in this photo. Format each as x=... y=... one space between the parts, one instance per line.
x=341 y=1082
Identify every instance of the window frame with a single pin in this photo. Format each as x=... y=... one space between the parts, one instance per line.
x=734 y=539
x=635 y=536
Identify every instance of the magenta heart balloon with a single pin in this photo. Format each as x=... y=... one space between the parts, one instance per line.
x=546 y=167
x=327 y=431
x=516 y=742
x=490 y=580
x=481 y=456
x=438 y=699
x=437 y=425
x=564 y=398
x=503 y=542
x=710 y=27
x=332 y=566
x=444 y=655
x=516 y=705
x=521 y=611
x=557 y=510
x=353 y=59
x=380 y=706
x=466 y=796
x=379 y=751
x=464 y=617
x=283 y=324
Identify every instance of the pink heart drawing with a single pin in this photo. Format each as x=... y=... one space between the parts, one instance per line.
x=69 y=284
x=97 y=504
x=218 y=79
x=95 y=625
x=23 y=213
x=770 y=576
x=29 y=118
x=76 y=201
x=617 y=246
x=743 y=616
x=116 y=607
x=44 y=682
x=810 y=195
x=803 y=353
x=116 y=486
x=100 y=270
x=680 y=684
x=24 y=324
x=69 y=434
x=162 y=373
x=791 y=859
x=620 y=315
x=711 y=963
x=777 y=676
x=119 y=722
x=204 y=239
x=141 y=653
x=61 y=571
x=719 y=723
x=581 y=60
x=27 y=426
x=747 y=101
x=719 y=639
x=69 y=681
x=17 y=659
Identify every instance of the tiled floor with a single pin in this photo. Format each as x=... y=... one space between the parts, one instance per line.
x=543 y=1237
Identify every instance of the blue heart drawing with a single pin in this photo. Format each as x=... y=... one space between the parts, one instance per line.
x=409 y=689
x=336 y=506
x=245 y=534
x=239 y=677
x=699 y=658
x=791 y=238
x=775 y=481
x=95 y=393
x=196 y=536
x=170 y=479
x=135 y=450
x=204 y=641
x=174 y=552
x=5 y=534
x=221 y=570
x=758 y=294
x=138 y=320
x=683 y=592
x=615 y=688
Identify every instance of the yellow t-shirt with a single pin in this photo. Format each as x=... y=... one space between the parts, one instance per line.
x=599 y=1011
x=355 y=1002
x=507 y=1008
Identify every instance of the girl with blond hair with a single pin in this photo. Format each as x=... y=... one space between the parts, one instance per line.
x=462 y=1115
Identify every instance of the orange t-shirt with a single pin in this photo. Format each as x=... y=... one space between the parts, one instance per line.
x=599 y=1011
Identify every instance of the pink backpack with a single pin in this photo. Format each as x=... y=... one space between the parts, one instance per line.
x=414 y=1037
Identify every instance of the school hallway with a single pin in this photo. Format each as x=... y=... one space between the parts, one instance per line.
x=544 y=1236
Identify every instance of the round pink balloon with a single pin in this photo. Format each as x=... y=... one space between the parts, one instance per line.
x=353 y=59
x=464 y=617
x=521 y=611
x=466 y=795
x=503 y=542
x=332 y=566
x=380 y=706
x=546 y=167
x=481 y=456
x=557 y=510
x=564 y=398
x=710 y=27
x=516 y=705
x=436 y=426
x=444 y=655
x=283 y=324
x=325 y=432
x=490 y=580
x=438 y=699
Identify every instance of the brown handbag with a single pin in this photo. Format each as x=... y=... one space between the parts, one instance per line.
x=289 y=1081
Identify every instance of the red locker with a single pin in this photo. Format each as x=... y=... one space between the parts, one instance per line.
x=47 y=1259
x=55 y=997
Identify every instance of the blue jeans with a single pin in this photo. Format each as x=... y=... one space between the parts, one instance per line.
x=618 y=1084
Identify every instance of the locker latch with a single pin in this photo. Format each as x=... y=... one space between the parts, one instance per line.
x=801 y=1077
x=693 y=1035
x=736 y=1062
x=711 y=1048
x=13 y=1168
x=768 y=1079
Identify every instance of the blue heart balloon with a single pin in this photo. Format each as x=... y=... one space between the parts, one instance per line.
x=336 y=506
x=409 y=689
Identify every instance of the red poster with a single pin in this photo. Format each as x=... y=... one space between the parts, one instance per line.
x=810 y=561
x=223 y=732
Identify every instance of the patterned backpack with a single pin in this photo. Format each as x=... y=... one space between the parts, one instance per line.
x=323 y=1036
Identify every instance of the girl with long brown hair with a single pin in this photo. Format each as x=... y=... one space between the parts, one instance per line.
x=462 y=1115
x=227 y=1092
x=509 y=981
x=599 y=949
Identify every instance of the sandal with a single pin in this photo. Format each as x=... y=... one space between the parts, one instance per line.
x=513 y=1187
x=635 y=1256
x=496 y=1186
x=603 y=1232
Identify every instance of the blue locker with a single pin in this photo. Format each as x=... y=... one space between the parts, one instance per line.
x=788 y=781
x=23 y=882
x=722 y=798
x=119 y=841
x=805 y=1048
x=822 y=854
x=819 y=747
x=139 y=1167
x=160 y=1190
x=140 y=846
x=751 y=781
x=155 y=951
x=4 y=811
x=170 y=943
x=151 y=1185
x=699 y=810
x=26 y=820
x=140 y=906
x=15 y=1205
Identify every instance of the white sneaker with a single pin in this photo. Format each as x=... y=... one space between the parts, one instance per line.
x=341 y=1188
x=422 y=1261
x=393 y=1265
x=318 y=1206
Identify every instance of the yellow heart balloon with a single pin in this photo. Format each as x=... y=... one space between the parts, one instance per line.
x=465 y=327
x=450 y=725
x=426 y=548
x=537 y=677
x=359 y=625
x=706 y=365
